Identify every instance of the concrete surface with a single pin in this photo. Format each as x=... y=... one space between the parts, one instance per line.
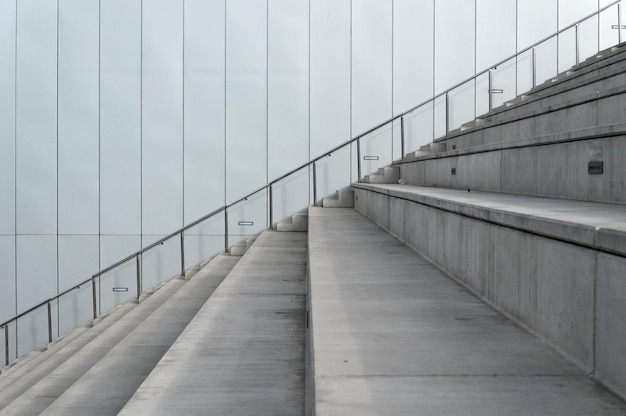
x=243 y=354
x=392 y=334
x=543 y=262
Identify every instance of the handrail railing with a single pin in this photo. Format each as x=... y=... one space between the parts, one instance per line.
x=269 y=186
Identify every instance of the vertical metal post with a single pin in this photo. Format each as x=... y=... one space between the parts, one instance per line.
x=534 y=68
x=225 y=229
x=94 y=300
x=619 y=23
x=577 y=46
x=182 y=253
x=6 y=344
x=402 y=137
x=489 y=90
x=49 y=322
x=447 y=113
x=358 y=156
x=314 y=184
x=271 y=207
x=138 y=258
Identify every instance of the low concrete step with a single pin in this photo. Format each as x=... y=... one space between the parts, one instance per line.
x=389 y=174
x=116 y=377
x=299 y=221
x=240 y=248
x=41 y=394
x=32 y=368
x=344 y=198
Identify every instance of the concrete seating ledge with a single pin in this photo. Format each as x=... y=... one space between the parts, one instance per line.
x=600 y=226
x=596 y=132
x=557 y=267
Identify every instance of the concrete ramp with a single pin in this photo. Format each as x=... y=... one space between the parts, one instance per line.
x=392 y=334
x=244 y=352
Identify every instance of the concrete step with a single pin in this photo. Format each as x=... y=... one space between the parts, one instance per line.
x=51 y=385
x=121 y=371
x=240 y=248
x=344 y=198
x=388 y=174
x=244 y=352
x=392 y=334
x=557 y=106
x=299 y=221
x=32 y=368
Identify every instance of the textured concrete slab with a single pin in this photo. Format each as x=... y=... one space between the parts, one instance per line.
x=392 y=334
x=591 y=224
x=244 y=351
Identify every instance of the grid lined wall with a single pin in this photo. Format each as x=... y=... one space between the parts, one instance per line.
x=123 y=120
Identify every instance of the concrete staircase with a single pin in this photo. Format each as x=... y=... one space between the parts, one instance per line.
x=95 y=370
x=526 y=207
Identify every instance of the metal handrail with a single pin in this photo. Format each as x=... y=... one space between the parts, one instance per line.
x=268 y=186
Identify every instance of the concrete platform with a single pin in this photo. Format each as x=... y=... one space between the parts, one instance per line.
x=244 y=352
x=392 y=334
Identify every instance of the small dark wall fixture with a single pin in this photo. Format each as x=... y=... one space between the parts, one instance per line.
x=453 y=171
x=595 y=167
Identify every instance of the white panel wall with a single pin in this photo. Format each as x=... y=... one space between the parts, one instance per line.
x=7 y=273
x=36 y=268
x=204 y=107
x=372 y=79
x=454 y=42
x=533 y=26
x=412 y=53
x=496 y=31
x=78 y=135
x=7 y=117
x=36 y=117
x=162 y=116
x=330 y=74
x=288 y=85
x=246 y=97
x=120 y=117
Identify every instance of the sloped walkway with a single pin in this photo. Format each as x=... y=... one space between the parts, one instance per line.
x=244 y=352
x=391 y=334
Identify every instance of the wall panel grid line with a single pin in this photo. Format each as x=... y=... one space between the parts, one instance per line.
x=168 y=109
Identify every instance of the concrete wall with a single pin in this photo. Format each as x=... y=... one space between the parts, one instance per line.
x=555 y=170
x=571 y=296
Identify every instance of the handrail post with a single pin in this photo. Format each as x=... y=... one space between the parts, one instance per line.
x=490 y=88
x=314 y=184
x=6 y=344
x=94 y=297
x=577 y=45
x=138 y=261
x=226 y=229
x=619 y=23
x=271 y=207
x=182 y=254
x=448 y=113
x=402 y=137
x=534 y=68
x=358 y=159
x=49 y=322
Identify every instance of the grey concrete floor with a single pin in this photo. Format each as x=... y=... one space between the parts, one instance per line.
x=244 y=353
x=393 y=335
